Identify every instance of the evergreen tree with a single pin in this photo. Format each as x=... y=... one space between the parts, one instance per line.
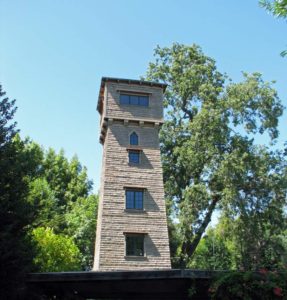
x=15 y=212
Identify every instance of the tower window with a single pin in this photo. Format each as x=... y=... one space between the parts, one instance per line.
x=134 y=244
x=141 y=100
x=134 y=139
x=134 y=199
x=134 y=156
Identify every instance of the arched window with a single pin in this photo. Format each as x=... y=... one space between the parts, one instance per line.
x=134 y=139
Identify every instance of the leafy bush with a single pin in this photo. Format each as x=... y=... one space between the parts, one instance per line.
x=261 y=285
x=55 y=252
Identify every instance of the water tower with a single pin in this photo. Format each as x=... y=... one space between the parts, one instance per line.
x=132 y=227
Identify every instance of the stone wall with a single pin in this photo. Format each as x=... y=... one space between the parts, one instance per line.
x=117 y=174
x=115 y=110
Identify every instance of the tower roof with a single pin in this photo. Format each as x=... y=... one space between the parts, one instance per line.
x=128 y=81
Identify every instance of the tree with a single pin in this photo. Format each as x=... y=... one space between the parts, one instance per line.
x=37 y=189
x=209 y=157
x=277 y=8
x=55 y=252
x=7 y=111
x=212 y=253
x=43 y=201
x=68 y=180
x=81 y=226
x=233 y=244
x=15 y=212
x=60 y=194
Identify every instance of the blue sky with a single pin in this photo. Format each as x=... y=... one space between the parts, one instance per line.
x=54 y=53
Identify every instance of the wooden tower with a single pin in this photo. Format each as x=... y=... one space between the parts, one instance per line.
x=132 y=228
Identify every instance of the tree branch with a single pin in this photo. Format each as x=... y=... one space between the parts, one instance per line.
x=189 y=247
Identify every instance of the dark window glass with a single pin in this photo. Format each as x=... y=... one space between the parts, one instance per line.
x=134 y=199
x=124 y=99
x=134 y=156
x=135 y=245
x=134 y=140
x=139 y=200
x=134 y=100
x=143 y=100
x=129 y=199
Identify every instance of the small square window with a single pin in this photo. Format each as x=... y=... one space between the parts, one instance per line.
x=134 y=199
x=134 y=244
x=134 y=156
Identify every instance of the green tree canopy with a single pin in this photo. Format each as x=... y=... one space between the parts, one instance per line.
x=55 y=252
x=15 y=212
x=7 y=126
x=278 y=8
x=81 y=226
x=209 y=157
x=214 y=252
x=39 y=189
x=47 y=209
x=231 y=245
x=60 y=194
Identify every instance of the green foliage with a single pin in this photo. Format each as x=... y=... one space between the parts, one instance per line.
x=263 y=285
x=81 y=226
x=15 y=212
x=174 y=241
x=212 y=253
x=68 y=180
x=7 y=111
x=60 y=194
x=55 y=252
x=43 y=200
x=278 y=8
x=209 y=157
x=41 y=195
x=58 y=190
x=232 y=245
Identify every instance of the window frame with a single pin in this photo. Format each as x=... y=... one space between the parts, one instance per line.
x=135 y=97
x=134 y=151
x=130 y=235
x=130 y=137
x=134 y=190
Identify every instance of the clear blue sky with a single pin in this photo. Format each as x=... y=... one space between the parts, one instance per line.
x=53 y=54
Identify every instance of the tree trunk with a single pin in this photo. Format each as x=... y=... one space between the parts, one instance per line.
x=189 y=247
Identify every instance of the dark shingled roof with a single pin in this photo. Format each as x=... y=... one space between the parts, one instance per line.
x=122 y=80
